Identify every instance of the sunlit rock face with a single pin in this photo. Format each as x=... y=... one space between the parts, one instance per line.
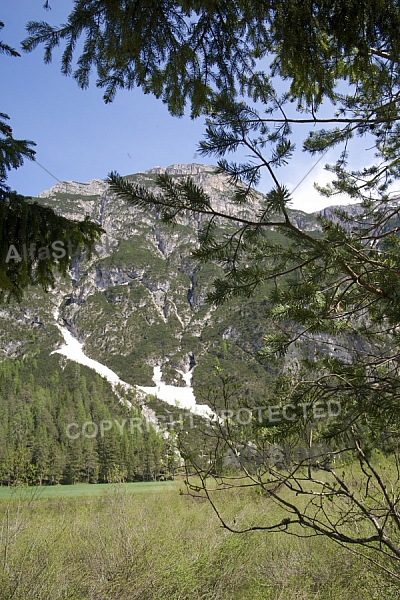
x=139 y=303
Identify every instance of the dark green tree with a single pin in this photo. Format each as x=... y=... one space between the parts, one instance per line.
x=108 y=449
x=26 y=227
x=90 y=461
x=75 y=464
x=40 y=454
x=193 y=50
x=56 y=463
x=12 y=151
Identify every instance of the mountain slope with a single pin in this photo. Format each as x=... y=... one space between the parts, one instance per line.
x=140 y=302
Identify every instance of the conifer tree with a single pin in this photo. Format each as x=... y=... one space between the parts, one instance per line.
x=26 y=227
x=90 y=461
x=12 y=151
x=74 y=467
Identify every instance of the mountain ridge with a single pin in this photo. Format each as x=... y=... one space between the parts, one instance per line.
x=199 y=172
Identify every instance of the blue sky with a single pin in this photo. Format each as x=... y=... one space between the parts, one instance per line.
x=80 y=138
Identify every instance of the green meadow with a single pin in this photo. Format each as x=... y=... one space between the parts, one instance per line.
x=150 y=542
x=81 y=490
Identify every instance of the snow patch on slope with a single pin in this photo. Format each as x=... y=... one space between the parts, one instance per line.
x=182 y=397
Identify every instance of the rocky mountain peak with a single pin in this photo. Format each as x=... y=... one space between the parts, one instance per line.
x=183 y=169
x=93 y=187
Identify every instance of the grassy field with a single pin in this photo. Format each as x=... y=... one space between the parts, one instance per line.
x=110 y=543
x=82 y=490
